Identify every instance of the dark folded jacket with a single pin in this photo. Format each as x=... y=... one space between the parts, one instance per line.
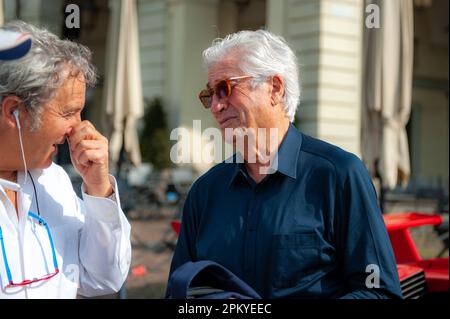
x=207 y=280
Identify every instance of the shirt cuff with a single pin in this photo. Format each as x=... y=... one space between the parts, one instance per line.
x=103 y=208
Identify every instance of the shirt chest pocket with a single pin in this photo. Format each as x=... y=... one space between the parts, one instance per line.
x=295 y=259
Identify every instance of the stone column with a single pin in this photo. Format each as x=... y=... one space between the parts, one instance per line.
x=327 y=37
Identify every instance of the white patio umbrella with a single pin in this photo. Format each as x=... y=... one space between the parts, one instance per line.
x=387 y=85
x=123 y=90
x=2 y=16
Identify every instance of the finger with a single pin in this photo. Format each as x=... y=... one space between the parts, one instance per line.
x=83 y=141
x=89 y=157
x=85 y=145
x=100 y=145
x=83 y=131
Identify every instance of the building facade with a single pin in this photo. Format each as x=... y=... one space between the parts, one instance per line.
x=327 y=36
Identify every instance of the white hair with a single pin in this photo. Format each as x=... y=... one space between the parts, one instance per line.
x=37 y=76
x=262 y=54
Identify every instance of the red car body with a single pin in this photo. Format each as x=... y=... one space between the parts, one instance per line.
x=418 y=276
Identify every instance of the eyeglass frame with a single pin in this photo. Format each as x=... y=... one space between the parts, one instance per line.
x=30 y=281
x=209 y=92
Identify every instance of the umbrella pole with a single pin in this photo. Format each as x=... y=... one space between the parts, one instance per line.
x=381 y=196
x=124 y=183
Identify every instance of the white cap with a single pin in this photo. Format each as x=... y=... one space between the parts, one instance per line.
x=13 y=45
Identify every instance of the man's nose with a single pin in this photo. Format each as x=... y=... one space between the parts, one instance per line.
x=218 y=104
x=75 y=122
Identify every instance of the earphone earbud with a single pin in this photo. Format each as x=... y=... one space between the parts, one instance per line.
x=16 y=115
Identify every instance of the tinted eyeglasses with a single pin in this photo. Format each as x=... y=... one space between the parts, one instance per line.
x=222 y=89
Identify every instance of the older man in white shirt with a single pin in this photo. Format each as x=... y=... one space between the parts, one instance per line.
x=53 y=244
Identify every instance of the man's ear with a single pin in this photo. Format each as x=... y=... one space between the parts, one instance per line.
x=8 y=106
x=277 y=94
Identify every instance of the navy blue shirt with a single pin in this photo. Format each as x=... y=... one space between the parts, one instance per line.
x=312 y=229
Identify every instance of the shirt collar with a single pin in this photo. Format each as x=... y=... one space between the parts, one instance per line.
x=288 y=153
x=286 y=159
x=238 y=162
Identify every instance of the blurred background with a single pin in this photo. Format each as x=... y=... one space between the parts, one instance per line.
x=374 y=82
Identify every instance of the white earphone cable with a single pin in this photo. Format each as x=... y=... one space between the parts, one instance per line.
x=21 y=148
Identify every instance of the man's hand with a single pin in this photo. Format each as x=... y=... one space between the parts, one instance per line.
x=89 y=155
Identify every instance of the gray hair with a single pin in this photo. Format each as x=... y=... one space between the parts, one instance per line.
x=262 y=54
x=37 y=76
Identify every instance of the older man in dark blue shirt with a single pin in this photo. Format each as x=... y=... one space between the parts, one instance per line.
x=306 y=227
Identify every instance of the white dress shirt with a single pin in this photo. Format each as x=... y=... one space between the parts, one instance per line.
x=91 y=239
